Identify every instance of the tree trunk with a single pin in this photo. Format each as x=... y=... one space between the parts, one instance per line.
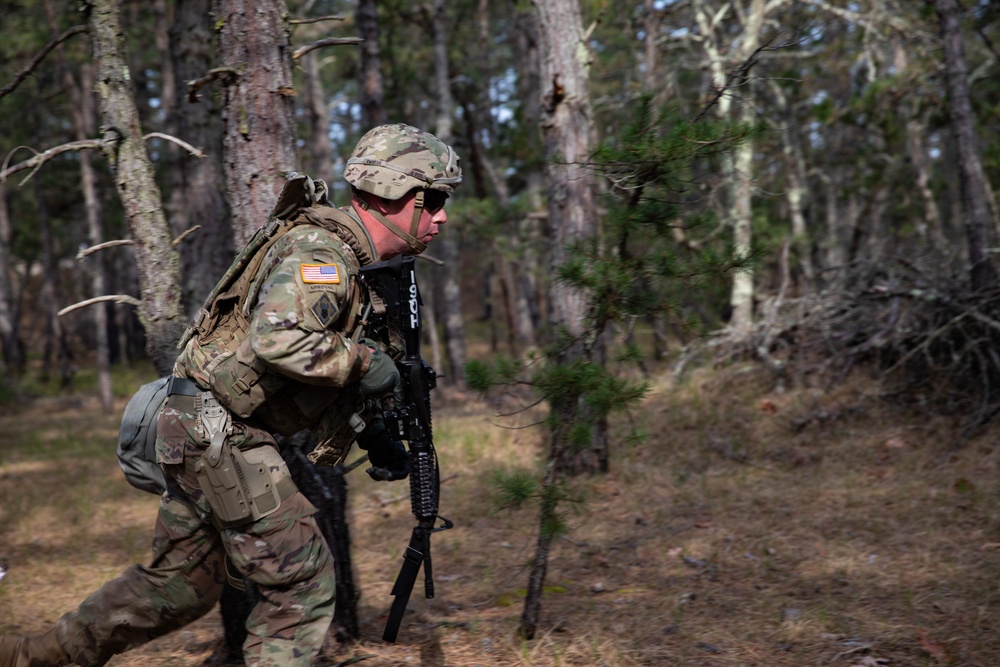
x=797 y=189
x=55 y=337
x=370 y=66
x=157 y=262
x=12 y=357
x=319 y=151
x=717 y=38
x=83 y=118
x=198 y=195
x=742 y=295
x=978 y=218
x=567 y=136
x=451 y=307
x=257 y=109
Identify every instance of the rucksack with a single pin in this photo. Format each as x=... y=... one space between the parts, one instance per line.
x=137 y=438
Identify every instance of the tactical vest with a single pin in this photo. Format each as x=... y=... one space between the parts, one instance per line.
x=237 y=377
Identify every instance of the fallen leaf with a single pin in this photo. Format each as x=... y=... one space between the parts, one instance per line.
x=703 y=523
x=767 y=406
x=936 y=649
x=895 y=442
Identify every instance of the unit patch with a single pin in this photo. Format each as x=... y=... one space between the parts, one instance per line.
x=325 y=310
x=322 y=274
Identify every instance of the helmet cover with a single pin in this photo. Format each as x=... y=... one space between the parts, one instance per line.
x=391 y=160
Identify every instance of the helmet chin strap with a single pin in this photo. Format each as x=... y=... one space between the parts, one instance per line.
x=414 y=244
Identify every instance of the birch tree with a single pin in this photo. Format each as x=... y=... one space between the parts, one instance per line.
x=730 y=34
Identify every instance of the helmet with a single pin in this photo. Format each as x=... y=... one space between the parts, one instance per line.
x=391 y=160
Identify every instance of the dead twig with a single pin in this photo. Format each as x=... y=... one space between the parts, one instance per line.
x=86 y=252
x=317 y=19
x=117 y=298
x=186 y=233
x=210 y=76
x=329 y=41
x=23 y=74
x=41 y=158
x=740 y=72
x=180 y=142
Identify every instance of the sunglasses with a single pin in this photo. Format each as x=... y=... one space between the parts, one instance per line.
x=434 y=200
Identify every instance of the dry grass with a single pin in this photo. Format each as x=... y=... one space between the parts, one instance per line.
x=806 y=528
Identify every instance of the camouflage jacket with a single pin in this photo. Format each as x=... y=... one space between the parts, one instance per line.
x=279 y=348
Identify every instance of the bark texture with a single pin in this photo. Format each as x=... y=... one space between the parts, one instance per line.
x=198 y=196
x=156 y=259
x=257 y=108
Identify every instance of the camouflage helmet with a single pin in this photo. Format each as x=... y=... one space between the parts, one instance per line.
x=391 y=160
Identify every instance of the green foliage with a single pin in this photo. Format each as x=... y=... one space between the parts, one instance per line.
x=514 y=488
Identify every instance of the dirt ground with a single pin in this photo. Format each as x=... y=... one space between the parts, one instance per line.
x=815 y=526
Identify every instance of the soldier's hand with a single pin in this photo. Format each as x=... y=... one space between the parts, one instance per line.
x=382 y=376
x=388 y=457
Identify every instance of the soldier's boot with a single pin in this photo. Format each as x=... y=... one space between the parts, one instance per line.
x=42 y=650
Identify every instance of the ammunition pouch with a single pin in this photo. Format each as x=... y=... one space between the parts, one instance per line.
x=243 y=383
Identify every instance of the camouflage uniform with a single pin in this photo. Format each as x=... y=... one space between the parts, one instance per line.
x=280 y=357
x=283 y=554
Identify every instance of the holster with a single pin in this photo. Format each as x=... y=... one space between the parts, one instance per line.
x=240 y=486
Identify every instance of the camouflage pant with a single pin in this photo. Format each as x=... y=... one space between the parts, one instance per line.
x=283 y=554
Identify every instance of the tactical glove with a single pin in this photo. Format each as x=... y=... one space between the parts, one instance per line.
x=382 y=376
x=388 y=457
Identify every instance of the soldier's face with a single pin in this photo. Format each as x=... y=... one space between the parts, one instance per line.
x=431 y=217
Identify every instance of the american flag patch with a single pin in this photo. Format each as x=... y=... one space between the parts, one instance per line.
x=323 y=274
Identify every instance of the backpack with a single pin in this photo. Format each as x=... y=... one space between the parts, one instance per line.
x=137 y=438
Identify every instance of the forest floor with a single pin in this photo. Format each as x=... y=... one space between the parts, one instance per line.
x=817 y=526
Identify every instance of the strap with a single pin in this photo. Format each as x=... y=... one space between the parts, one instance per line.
x=177 y=386
x=415 y=245
x=412 y=559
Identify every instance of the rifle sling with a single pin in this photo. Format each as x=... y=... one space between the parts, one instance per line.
x=416 y=553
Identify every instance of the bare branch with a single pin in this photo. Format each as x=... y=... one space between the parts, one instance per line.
x=187 y=232
x=329 y=41
x=740 y=73
x=86 y=252
x=317 y=19
x=183 y=144
x=210 y=76
x=42 y=158
x=117 y=298
x=23 y=74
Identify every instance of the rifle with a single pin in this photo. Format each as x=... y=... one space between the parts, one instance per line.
x=395 y=282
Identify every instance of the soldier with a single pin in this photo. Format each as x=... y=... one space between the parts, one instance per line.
x=274 y=351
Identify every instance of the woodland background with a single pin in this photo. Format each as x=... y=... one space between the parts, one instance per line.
x=651 y=187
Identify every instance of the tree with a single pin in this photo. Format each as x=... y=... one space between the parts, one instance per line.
x=198 y=194
x=158 y=265
x=979 y=218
